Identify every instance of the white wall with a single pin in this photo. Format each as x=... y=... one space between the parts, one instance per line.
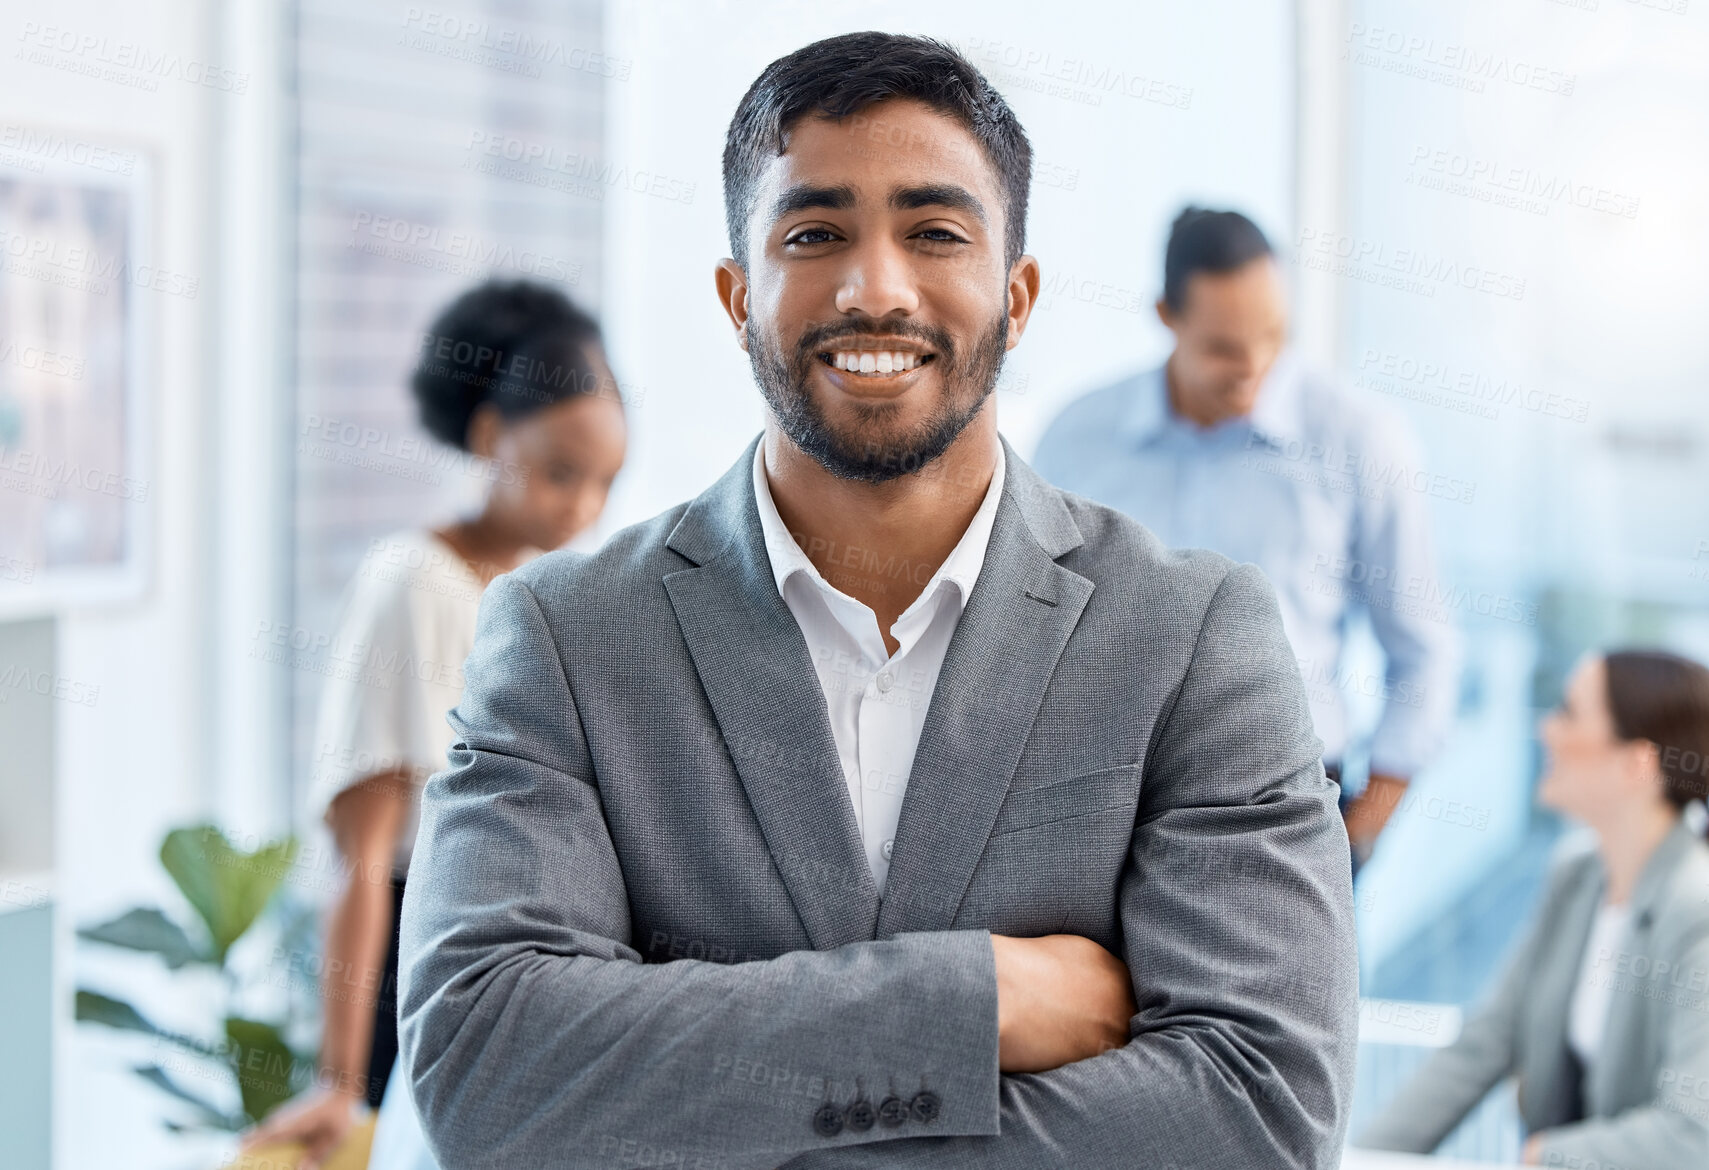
x=142 y=757
x=1110 y=177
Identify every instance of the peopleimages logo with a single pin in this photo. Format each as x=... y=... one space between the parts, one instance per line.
x=1460 y=66
x=1381 y=369
x=546 y=165
x=45 y=146
x=122 y=61
x=1409 y=269
x=1379 y=587
x=74 y=265
x=1074 y=78
x=1359 y=472
x=458 y=252
x=514 y=49
x=1529 y=189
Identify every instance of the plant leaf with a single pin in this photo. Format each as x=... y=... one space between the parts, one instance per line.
x=264 y=1064
x=95 y=1008
x=228 y=887
x=208 y=1116
x=147 y=929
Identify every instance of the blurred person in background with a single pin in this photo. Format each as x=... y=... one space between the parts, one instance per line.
x=1234 y=445
x=1603 y=1011
x=515 y=375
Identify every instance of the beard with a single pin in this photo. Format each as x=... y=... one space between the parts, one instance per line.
x=876 y=454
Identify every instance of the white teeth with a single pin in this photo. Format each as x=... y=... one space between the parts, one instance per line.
x=875 y=362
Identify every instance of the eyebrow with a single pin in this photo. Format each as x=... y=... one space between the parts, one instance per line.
x=938 y=195
x=842 y=197
x=805 y=198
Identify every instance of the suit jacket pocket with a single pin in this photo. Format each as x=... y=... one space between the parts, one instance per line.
x=1107 y=790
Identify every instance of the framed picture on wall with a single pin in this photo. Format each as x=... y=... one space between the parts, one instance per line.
x=80 y=290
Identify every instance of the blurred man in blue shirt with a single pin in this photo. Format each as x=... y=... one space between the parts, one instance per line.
x=1232 y=445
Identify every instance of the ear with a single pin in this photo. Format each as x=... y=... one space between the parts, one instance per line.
x=1023 y=295
x=1165 y=314
x=1643 y=764
x=484 y=427
x=732 y=285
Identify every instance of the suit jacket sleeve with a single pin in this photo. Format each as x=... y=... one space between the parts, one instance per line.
x=1237 y=916
x=532 y=1033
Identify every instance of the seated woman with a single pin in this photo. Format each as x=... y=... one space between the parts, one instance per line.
x=1603 y=1013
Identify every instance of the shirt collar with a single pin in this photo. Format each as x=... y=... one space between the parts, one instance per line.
x=1275 y=416
x=961 y=566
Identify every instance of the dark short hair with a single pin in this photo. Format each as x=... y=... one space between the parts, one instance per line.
x=1664 y=698
x=518 y=345
x=840 y=76
x=1201 y=240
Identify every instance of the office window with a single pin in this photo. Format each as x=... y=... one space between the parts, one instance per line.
x=434 y=146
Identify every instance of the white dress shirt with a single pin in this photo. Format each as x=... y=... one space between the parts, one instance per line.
x=877 y=701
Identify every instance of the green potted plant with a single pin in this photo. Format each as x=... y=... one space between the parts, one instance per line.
x=229 y=891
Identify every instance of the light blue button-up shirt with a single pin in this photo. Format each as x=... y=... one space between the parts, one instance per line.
x=1324 y=493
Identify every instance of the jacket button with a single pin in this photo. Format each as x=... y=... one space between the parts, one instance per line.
x=828 y=1120
x=893 y=1111
x=861 y=1115
x=926 y=1106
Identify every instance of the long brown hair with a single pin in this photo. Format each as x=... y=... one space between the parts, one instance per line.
x=1664 y=698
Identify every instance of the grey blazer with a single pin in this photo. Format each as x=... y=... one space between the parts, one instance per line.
x=640 y=928
x=1645 y=1098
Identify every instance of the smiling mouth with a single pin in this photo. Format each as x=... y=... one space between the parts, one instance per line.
x=875 y=363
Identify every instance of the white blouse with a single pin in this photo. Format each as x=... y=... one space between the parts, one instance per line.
x=406 y=625
x=1588 y=1014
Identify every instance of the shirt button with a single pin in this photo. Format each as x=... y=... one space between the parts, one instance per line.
x=885 y=682
x=887 y=849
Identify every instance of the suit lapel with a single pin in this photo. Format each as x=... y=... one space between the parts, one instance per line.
x=1555 y=1095
x=999 y=660
x=759 y=678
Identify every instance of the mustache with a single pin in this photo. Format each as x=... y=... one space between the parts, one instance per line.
x=822 y=337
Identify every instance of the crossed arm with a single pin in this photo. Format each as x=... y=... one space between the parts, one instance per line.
x=534 y=1035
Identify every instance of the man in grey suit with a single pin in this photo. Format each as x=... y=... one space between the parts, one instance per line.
x=1012 y=847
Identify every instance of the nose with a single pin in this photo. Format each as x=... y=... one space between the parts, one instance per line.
x=878 y=281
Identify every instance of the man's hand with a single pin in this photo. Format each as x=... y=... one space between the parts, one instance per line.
x=1060 y=998
x=1371 y=809
x=1532 y=1154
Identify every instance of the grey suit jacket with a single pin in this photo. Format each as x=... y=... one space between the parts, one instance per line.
x=1645 y=1099
x=640 y=928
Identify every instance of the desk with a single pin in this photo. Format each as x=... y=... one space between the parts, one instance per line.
x=1381 y=1160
